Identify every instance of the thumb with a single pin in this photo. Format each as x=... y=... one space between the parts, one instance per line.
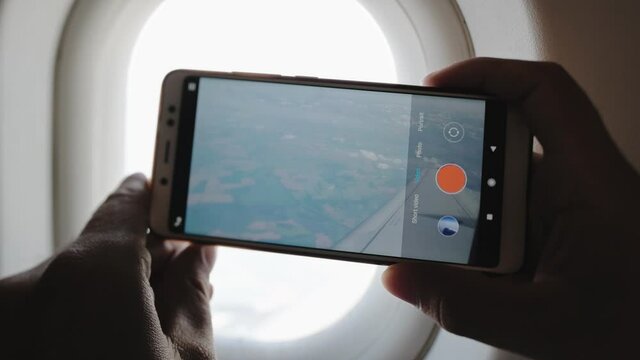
x=556 y=109
x=125 y=212
x=183 y=301
x=485 y=307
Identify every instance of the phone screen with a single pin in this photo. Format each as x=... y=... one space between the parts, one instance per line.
x=393 y=174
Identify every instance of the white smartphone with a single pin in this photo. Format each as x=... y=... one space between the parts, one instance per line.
x=368 y=172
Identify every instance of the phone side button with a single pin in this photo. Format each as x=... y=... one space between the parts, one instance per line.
x=258 y=75
x=304 y=77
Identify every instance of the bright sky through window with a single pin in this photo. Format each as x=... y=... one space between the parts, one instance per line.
x=259 y=295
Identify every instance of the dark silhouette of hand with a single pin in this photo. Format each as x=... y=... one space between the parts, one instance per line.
x=109 y=295
x=577 y=295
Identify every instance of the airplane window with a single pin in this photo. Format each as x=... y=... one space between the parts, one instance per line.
x=260 y=296
x=266 y=306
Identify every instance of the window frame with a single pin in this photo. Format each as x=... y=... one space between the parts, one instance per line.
x=94 y=54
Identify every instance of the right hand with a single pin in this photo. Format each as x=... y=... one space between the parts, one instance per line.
x=577 y=295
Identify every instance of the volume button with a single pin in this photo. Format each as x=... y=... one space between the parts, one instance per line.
x=258 y=75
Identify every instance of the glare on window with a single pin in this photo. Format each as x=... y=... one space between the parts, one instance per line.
x=259 y=295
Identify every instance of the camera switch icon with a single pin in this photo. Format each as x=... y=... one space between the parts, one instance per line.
x=453 y=132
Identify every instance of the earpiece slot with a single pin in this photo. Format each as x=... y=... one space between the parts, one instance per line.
x=167 y=147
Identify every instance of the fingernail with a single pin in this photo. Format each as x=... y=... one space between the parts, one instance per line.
x=208 y=253
x=399 y=284
x=137 y=181
x=387 y=276
x=428 y=80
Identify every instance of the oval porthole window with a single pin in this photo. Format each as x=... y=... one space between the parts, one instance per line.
x=260 y=296
x=266 y=306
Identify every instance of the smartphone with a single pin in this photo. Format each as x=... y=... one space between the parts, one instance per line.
x=368 y=172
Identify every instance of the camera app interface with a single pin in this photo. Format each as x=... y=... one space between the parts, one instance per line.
x=357 y=171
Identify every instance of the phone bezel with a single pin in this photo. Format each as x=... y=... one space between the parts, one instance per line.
x=170 y=146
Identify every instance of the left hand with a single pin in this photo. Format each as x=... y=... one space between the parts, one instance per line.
x=110 y=296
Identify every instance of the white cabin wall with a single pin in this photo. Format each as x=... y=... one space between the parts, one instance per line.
x=596 y=41
x=29 y=36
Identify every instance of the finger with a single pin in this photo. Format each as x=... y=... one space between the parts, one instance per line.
x=163 y=251
x=540 y=204
x=115 y=235
x=183 y=300
x=464 y=302
x=556 y=108
x=103 y=279
x=126 y=211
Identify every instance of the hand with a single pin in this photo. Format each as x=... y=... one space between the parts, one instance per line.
x=577 y=294
x=109 y=297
